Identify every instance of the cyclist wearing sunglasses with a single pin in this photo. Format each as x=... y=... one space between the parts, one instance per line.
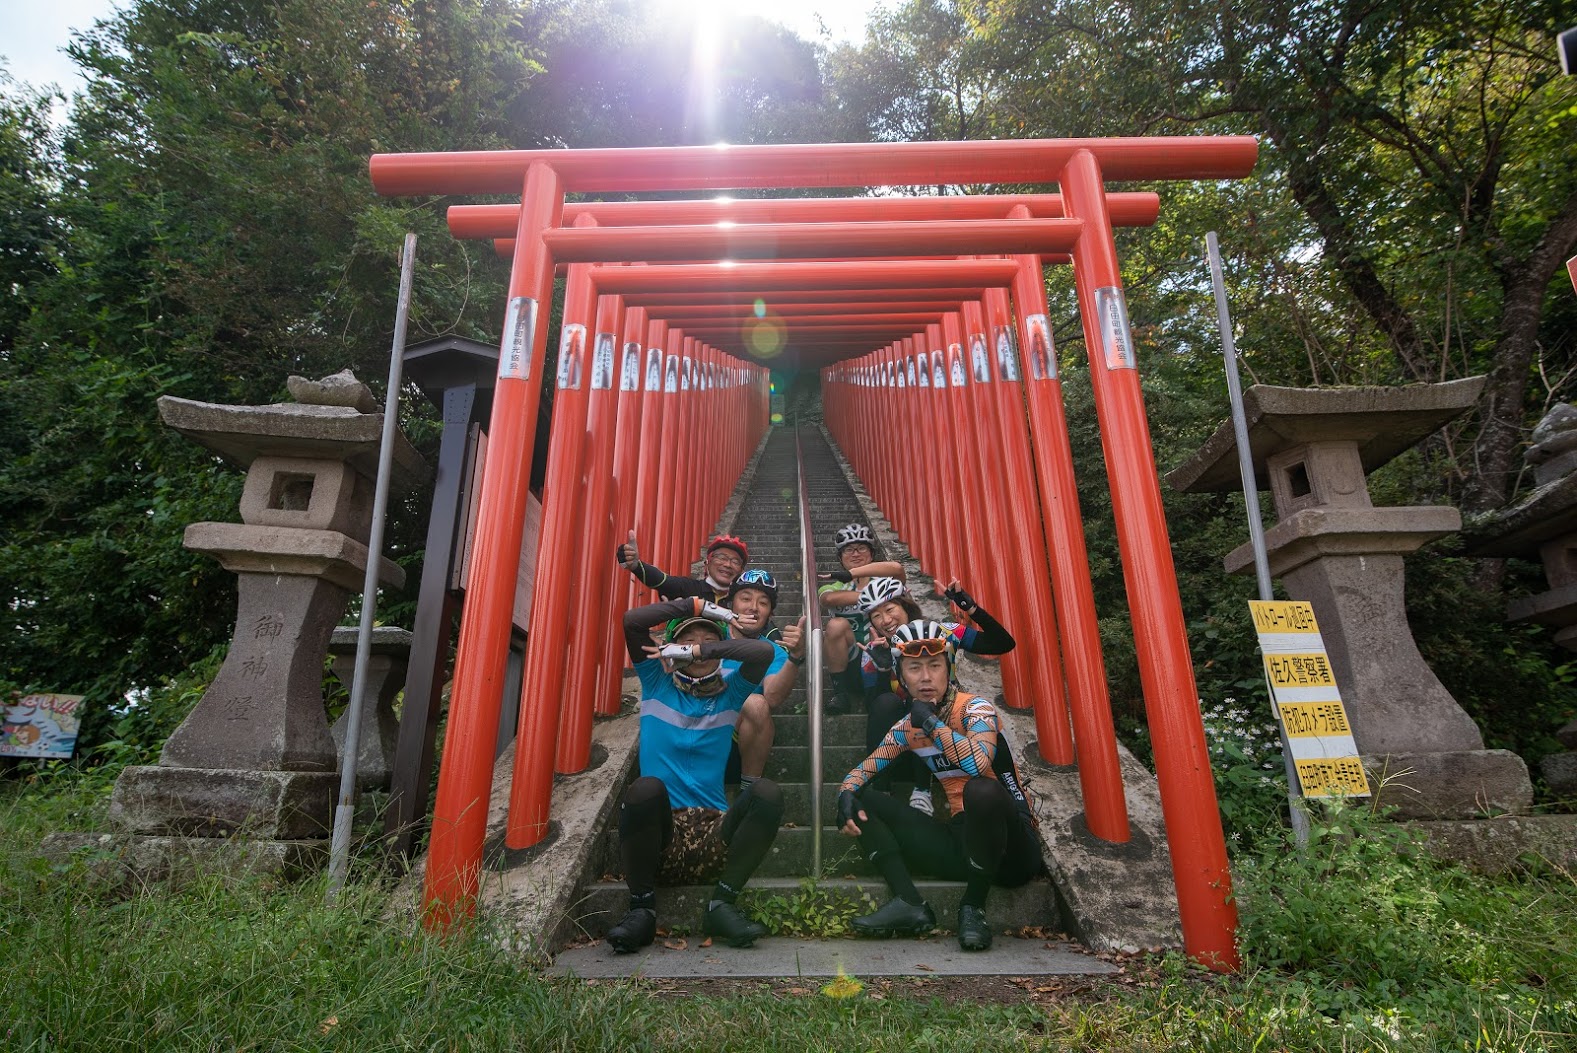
x=848 y=628
x=723 y=559
x=890 y=607
x=675 y=823
x=989 y=837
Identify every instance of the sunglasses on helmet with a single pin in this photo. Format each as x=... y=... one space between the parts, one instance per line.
x=921 y=648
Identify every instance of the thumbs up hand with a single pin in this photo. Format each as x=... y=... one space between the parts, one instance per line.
x=628 y=554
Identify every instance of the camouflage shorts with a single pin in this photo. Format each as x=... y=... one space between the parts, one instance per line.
x=696 y=854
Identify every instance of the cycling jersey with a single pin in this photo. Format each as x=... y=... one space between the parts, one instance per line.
x=685 y=738
x=672 y=587
x=969 y=742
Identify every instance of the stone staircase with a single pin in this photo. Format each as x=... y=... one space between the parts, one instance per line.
x=768 y=521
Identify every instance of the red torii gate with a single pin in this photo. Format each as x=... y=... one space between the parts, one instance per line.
x=1079 y=166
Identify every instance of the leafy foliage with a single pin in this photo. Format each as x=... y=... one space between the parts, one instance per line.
x=1386 y=930
x=810 y=911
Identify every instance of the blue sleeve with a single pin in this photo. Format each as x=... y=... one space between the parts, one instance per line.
x=651 y=674
x=779 y=659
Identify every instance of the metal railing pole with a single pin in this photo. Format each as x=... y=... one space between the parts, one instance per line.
x=1256 y=529
x=345 y=808
x=807 y=554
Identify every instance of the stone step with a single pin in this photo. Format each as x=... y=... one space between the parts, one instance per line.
x=793 y=729
x=786 y=764
x=603 y=903
x=790 y=855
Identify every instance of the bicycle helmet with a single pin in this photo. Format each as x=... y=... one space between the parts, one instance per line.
x=729 y=541
x=878 y=591
x=853 y=534
x=923 y=637
x=676 y=626
x=708 y=683
x=755 y=579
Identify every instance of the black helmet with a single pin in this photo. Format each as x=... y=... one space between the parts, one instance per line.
x=754 y=579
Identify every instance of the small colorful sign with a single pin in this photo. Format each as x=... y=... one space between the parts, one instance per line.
x=1305 y=699
x=41 y=726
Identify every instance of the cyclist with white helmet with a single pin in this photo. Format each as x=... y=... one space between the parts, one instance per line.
x=989 y=837
x=722 y=561
x=848 y=629
x=675 y=823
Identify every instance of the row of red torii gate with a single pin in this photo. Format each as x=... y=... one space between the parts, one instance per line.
x=927 y=319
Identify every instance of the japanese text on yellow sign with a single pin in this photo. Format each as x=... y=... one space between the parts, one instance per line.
x=1299 y=670
x=1314 y=719
x=1275 y=616
x=1332 y=777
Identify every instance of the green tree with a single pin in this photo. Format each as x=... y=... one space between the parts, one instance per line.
x=217 y=231
x=1425 y=147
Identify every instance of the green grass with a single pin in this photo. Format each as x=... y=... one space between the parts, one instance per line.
x=1359 y=944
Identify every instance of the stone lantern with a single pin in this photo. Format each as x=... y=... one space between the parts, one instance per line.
x=255 y=756
x=1543 y=525
x=1331 y=546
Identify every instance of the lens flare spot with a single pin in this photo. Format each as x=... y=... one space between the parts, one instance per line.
x=761 y=308
x=765 y=337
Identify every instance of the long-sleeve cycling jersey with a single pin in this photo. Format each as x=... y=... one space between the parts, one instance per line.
x=967 y=741
x=673 y=587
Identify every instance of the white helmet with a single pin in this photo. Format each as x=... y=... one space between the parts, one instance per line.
x=878 y=591
x=923 y=637
x=853 y=534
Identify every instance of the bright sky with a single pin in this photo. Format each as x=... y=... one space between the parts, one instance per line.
x=33 y=32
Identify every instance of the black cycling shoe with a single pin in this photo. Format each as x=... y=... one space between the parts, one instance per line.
x=726 y=923
x=973 y=932
x=635 y=930
x=897 y=917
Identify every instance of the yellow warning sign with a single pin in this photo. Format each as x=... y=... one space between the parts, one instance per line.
x=1317 y=736
x=1314 y=719
x=1299 y=670
x=1278 y=616
x=1332 y=777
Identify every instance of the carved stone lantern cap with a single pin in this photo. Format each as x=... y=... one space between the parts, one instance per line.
x=331 y=428
x=336 y=389
x=1382 y=421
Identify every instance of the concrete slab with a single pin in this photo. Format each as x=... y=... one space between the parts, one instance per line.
x=531 y=892
x=777 y=957
x=1495 y=846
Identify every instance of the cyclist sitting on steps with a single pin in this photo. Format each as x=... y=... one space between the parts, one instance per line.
x=675 y=823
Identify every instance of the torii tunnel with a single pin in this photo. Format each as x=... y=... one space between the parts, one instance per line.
x=914 y=310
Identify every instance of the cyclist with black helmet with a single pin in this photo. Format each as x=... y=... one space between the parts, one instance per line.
x=990 y=836
x=752 y=599
x=848 y=629
x=675 y=823
x=723 y=559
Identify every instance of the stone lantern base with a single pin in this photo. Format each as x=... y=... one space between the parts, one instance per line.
x=1460 y=784
x=207 y=802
